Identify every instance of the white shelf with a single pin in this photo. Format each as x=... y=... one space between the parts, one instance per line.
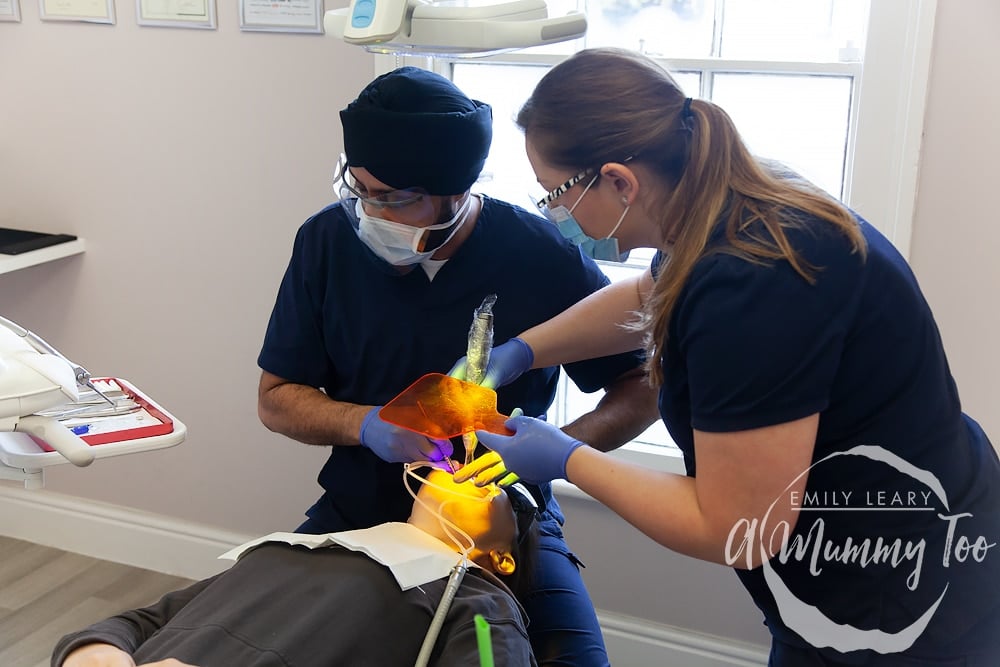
x=10 y=263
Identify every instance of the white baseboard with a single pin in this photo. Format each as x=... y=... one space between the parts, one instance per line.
x=115 y=533
x=186 y=549
x=634 y=642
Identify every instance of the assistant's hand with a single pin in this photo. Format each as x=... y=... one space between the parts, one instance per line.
x=395 y=444
x=507 y=363
x=537 y=452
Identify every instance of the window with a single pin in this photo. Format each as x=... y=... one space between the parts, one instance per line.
x=785 y=70
x=833 y=88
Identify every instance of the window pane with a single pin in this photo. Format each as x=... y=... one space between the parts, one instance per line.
x=672 y=28
x=808 y=30
x=571 y=403
x=507 y=174
x=799 y=120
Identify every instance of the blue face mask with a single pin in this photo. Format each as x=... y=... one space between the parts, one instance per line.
x=605 y=249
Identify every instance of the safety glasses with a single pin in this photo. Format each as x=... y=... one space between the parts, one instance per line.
x=347 y=186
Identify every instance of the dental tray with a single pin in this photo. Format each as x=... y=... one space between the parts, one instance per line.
x=150 y=427
x=146 y=421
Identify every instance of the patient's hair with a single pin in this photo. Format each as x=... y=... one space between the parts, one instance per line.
x=525 y=554
x=525 y=547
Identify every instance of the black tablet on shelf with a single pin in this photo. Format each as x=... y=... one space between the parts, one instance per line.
x=17 y=241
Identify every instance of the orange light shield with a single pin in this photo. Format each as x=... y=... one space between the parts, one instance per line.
x=440 y=406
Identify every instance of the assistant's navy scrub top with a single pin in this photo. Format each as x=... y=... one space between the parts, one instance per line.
x=753 y=345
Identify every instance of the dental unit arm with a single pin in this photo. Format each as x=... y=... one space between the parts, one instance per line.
x=32 y=380
x=451 y=27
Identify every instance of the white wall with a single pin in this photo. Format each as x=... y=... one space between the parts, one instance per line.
x=956 y=239
x=188 y=158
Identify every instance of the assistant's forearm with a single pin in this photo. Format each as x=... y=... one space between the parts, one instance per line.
x=627 y=409
x=590 y=328
x=662 y=505
x=308 y=415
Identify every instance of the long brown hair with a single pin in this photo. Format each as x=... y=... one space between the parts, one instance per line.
x=612 y=105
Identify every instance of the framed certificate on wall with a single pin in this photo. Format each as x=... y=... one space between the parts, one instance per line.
x=90 y=11
x=282 y=15
x=10 y=10
x=176 y=13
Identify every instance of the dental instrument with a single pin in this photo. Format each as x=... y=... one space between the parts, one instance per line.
x=477 y=356
x=480 y=341
x=81 y=374
x=454 y=581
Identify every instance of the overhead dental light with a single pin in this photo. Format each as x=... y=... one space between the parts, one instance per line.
x=451 y=27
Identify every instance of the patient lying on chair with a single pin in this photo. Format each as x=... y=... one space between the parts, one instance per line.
x=291 y=606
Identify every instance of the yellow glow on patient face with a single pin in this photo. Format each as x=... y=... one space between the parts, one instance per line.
x=485 y=513
x=455 y=491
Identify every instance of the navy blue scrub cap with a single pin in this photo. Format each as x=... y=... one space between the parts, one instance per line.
x=415 y=128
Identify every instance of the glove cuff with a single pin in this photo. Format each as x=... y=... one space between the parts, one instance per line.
x=569 y=452
x=528 y=355
x=372 y=415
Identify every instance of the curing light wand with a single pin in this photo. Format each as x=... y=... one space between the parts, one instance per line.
x=477 y=356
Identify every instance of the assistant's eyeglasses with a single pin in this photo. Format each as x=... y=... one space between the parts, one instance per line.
x=562 y=189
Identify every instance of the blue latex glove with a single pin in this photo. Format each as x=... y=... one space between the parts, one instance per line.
x=507 y=363
x=537 y=452
x=396 y=444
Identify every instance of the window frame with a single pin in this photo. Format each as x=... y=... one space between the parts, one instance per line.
x=889 y=90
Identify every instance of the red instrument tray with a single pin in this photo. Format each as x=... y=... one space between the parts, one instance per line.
x=165 y=426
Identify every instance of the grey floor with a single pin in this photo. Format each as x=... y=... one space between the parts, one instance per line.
x=46 y=593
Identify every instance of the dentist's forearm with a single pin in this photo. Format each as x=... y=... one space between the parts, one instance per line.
x=627 y=408
x=306 y=414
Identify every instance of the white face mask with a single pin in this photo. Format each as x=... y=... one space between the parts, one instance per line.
x=399 y=244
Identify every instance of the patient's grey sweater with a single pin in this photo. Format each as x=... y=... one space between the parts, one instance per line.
x=289 y=606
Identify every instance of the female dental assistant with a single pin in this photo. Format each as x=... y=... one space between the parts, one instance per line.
x=800 y=372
